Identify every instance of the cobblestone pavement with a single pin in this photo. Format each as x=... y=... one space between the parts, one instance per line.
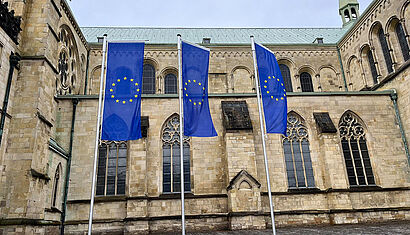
x=392 y=228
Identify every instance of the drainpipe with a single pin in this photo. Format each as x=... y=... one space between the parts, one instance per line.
x=68 y=167
x=393 y=97
x=86 y=72
x=14 y=61
x=341 y=66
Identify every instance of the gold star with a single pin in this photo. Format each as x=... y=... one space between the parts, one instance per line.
x=186 y=84
x=138 y=89
x=266 y=81
x=203 y=88
x=136 y=83
x=284 y=94
x=199 y=83
x=199 y=103
x=117 y=101
x=184 y=88
x=186 y=94
x=132 y=79
x=125 y=78
x=281 y=84
x=265 y=86
x=271 y=96
x=113 y=84
x=273 y=76
x=131 y=100
x=123 y=102
x=135 y=96
x=190 y=100
x=281 y=98
x=277 y=99
x=194 y=103
x=284 y=90
x=118 y=80
x=277 y=79
x=267 y=92
x=111 y=90
x=269 y=77
x=194 y=80
x=112 y=96
x=189 y=80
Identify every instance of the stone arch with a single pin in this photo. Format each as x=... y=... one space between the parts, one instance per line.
x=153 y=87
x=161 y=77
x=329 y=79
x=152 y=61
x=94 y=81
x=245 y=185
x=370 y=69
x=311 y=71
x=55 y=198
x=354 y=74
x=241 y=80
x=376 y=47
x=356 y=115
x=292 y=67
x=397 y=36
x=405 y=14
x=69 y=79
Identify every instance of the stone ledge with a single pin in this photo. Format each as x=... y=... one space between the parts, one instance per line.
x=34 y=222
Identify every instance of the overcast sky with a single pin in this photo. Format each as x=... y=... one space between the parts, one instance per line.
x=210 y=13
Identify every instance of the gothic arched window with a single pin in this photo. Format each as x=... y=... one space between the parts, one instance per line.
x=171 y=158
x=112 y=167
x=148 y=79
x=171 y=84
x=372 y=66
x=56 y=186
x=297 y=154
x=356 y=155
x=285 y=71
x=68 y=68
x=385 y=48
x=402 y=41
x=306 y=82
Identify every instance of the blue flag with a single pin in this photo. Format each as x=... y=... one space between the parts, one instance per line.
x=273 y=91
x=122 y=102
x=197 y=117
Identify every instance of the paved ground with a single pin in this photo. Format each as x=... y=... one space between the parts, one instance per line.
x=392 y=228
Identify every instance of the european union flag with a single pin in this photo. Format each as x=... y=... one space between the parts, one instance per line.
x=197 y=117
x=122 y=102
x=273 y=91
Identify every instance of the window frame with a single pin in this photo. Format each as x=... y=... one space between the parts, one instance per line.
x=385 y=49
x=118 y=145
x=165 y=83
x=153 y=80
x=372 y=65
x=401 y=38
x=296 y=124
x=287 y=79
x=173 y=122
x=304 y=84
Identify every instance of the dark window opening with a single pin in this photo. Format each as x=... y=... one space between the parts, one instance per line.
x=306 y=82
x=148 y=79
x=372 y=66
x=347 y=16
x=354 y=14
x=403 y=42
x=285 y=71
x=171 y=84
x=385 y=48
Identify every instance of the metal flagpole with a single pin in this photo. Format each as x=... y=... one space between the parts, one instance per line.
x=181 y=133
x=90 y=221
x=263 y=134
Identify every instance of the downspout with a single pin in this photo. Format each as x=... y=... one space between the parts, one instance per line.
x=14 y=61
x=86 y=72
x=393 y=97
x=68 y=167
x=341 y=66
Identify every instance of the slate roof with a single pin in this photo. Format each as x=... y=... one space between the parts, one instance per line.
x=218 y=35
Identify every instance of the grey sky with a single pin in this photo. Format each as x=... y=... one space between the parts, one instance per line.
x=210 y=13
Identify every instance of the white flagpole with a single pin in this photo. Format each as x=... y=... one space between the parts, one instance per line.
x=181 y=133
x=263 y=134
x=90 y=221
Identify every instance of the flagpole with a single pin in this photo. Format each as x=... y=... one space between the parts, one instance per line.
x=263 y=134
x=90 y=221
x=181 y=133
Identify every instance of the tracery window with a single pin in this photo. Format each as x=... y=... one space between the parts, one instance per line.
x=306 y=82
x=355 y=152
x=372 y=66
x=112 y=167
x=297 y=154
x=285 y=71
x=55 y=186
x=68 y=68
x=385 y=48
x=171 y=84
x=148 y=79
x=171 y=158
x=402 y=41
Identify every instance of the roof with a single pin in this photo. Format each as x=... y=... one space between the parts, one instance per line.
x=343 y=3
x=156 y=35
